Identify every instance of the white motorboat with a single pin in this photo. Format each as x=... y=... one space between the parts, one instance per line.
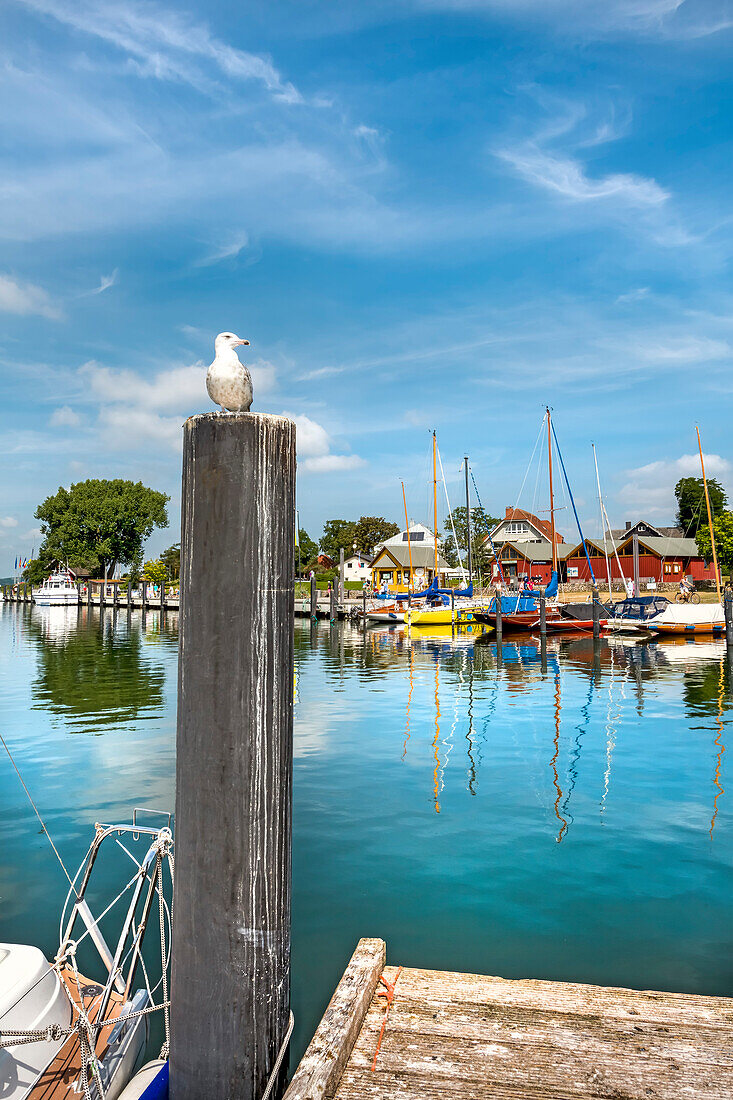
x=58 y=589
x=64 y=1034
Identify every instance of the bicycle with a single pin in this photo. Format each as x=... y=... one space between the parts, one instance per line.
x=687 y=597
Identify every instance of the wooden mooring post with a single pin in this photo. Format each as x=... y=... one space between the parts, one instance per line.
x=314 y=598
x=728 y=610
x=596 y=616
x=231 y=937
x=144 y=595
x=333 y=605
x=162 y=598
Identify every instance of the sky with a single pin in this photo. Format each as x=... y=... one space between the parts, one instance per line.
x=423 y=214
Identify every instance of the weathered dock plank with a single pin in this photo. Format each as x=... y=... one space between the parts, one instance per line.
x=470 y=1035
x=323 y=1063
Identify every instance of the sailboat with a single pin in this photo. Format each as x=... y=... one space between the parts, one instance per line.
x=692 y=619
x=522 y=612
x=64 y=1034
x=445 y=606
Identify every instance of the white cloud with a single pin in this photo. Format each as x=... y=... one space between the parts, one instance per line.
x=123 y=426
x=8 y=521
x=105 y=282
x=684 y=349
x=327 y=464
x=227 y=250
x=25 y=299
x=313 y=445
x=633 y=295
x=321 y=372
x=64 y=417
x=567 y=177
x=649 y=489
x=163 y=44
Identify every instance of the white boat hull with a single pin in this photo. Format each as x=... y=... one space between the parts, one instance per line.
x=56 y=599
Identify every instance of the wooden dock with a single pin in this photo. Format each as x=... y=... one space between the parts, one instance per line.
x=467 y=1036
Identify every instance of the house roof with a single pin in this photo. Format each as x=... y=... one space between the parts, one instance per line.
x=359 y=557
x=537 y=551
x=415 y=529
x=671 y=547
x=542 y=526
x=422 y=556
x=670 y=532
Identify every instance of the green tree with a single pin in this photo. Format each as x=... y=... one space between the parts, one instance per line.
x=723 y=528
x=481 y=524
x=95 y=524
x=337 y=533
x=171 y=559
x=369 y=531
x=155 y=572
x=691 y=510
x=306 y=550
x=35 y=572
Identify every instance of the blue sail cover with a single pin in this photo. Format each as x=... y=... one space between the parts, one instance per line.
x=431 y=590
x=456 y=591
x=527 y=601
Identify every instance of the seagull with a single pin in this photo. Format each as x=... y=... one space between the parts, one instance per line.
x=227 y=380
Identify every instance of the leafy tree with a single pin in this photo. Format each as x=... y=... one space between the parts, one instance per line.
x=337 y=533
x=155 y=572
x=481 y=524
x=171 y=559
x=306 y=550
x=370 y=531
x=723 y=528
x=95 y=524
x=35 y=571
x=691 y=510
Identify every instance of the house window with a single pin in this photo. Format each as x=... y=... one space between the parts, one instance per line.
x=677 y=567
x=413 y=536
x=667 y=567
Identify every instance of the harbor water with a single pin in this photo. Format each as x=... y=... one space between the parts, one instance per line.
x=479 y=810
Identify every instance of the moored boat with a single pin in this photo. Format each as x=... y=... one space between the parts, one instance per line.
x=58 y=589
x=689 y=620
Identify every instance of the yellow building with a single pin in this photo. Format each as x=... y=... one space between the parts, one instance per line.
x=391 y=565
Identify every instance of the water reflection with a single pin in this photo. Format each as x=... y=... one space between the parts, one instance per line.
x=478 y=683
x=94 y=670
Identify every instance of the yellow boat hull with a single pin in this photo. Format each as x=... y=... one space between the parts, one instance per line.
x=442 y=616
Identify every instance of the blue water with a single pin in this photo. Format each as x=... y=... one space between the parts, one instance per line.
x=474 y=810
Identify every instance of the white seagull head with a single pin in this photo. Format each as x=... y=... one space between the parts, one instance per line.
x=228 y=340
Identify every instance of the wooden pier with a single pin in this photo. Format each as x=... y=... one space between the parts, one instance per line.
x=445 y=1034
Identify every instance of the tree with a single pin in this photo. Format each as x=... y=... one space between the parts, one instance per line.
x=35 y=572
x=95 y=524
x=481 y=524
x=337 y=534
x=171 y=559
x=154 y=572
x=306 y=550
x=723 y=528
x=691 y=509
x=370 y=531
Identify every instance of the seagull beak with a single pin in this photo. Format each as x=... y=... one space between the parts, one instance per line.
x=240 y=342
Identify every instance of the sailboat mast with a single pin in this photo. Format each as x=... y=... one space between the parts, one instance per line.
x=603 y=524
x=710 y=517
x=407 y=528
x=468 y=523
x=435 y=504
x=552 y=496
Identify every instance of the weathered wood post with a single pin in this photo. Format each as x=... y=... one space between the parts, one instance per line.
x=596 y=616
x=103 y=591
x=231 y=936
x=342 y=576
x=332 y=607
x=728 y=609
x=144 y=594
x=363 y=608
x=543 y=614
x=115 y=596
x=314 y=598
x=162 y=597
x=129 y=595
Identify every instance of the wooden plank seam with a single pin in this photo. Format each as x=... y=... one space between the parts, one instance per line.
x=389 y=995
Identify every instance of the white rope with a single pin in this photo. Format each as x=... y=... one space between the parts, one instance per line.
x=278 y=1061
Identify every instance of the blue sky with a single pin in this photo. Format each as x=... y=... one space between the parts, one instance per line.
x=422 y=214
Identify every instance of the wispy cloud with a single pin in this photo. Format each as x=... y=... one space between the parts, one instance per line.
x=567 y=177
x=105 y=282
x=637 y=295
x=166 y=44
x=26 y=298
x=329 y=464
x=8 y=521
x=683 y=349
x=321 y=372
x=227 y=250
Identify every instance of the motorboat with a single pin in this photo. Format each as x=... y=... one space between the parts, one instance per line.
x=64 y=1034
x=58 y=589
x=633 y=614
